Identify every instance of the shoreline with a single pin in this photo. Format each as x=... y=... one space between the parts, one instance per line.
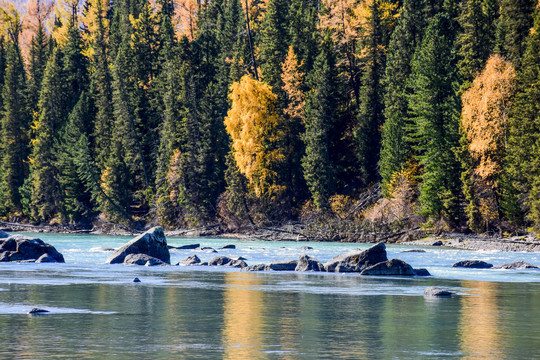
x=524 y=243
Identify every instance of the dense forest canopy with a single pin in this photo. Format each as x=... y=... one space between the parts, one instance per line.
x=191 y=112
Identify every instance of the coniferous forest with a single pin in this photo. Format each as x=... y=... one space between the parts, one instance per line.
x=377 y=115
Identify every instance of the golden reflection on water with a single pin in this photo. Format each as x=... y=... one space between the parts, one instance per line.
x=480 y=323
x=243 y=306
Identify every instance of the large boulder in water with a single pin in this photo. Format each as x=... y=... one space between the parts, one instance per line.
x=357 y=260
x=473 y=264
x=151 y=243
x=190 y=260
x=308 y=263
x=389 y=268
x=281 y=266
x=23 y=248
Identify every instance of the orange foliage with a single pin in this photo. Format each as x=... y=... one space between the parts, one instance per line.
x=185 y=17
x=256 y=131
x=293 y=79
x=485 y=116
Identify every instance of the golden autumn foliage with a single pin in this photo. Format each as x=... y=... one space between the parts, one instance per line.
x=257 y=134
x=96 y=12
x=485 y=116
x=293 y=80
x=65 y=11
x=185 y=17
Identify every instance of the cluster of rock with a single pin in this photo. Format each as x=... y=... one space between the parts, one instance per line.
x=478 y=264
x=373 y=261
x=26 y=249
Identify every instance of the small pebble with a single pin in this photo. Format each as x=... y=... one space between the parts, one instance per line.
x=136 y=280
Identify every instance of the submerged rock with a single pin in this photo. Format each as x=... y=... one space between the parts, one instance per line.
x=518 y=265
x=357 y=260
x=186 y=247
x=414 y=251
x=434 y=291
x=3 y=234
x=282 y=265
x=38 y=311
x=227 y=247
x=308 y=263
x=473 y=264
x=136 y=280
x=422 y=272
x=390 y=267
x=304 y=248
x=143 y=259
x=152 y=243
x=190 y=260
x=23 y=248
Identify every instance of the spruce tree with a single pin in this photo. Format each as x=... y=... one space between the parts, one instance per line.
x=320 y=112
x=523 y=164
x=45 y=189
x=39 y=52
x=395 y=150
x=515 y=22
x=434 y=109
x=14 y=135
x=370 y=115
x=472 y=41
x=273 y=43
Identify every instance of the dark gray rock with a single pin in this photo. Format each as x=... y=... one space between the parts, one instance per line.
x=142 y=259
x=422 y=272
x=102 y=249
x=46 y=258
x=187 y=247
x=204 y=263
x=240 y=258
x=437 y=243
x=357 y=260
x=220 y=261
x=37 y=311
x=136 y=280
x=3 y=234
x=23 y=248
x=238 y=264
x=151 y=243
x=473 y=264
x=227 y=247
x=190 y=260
x=304 y=248
x=281 y=266
x=308 y=263
x=414 y=251
x=518 y=265
x=389 y=268
x=258 y=267
x=434 y=291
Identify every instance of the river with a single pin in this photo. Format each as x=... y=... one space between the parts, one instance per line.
x=97 y=312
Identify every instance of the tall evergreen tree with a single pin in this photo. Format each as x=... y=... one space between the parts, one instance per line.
x=320 y=112
x=523 y=164
x=370 y=114
x=473 y=42
x=39 y=52
x=14 y=134
x=435 y=113
x=395 y=150
x=273 y=43
x=513 y=28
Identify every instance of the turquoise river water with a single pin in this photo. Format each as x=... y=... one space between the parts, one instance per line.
x=97 y=312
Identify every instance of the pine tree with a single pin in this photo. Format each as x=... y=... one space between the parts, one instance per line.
x=39 y=52
x=395 y=150
x=273 y=43
x=513 y=28
x=303 y=20
x=491 y=13
x=320 y=112
x=14 y=134
x=472 y=41
x=45 y=189
x=370 y=115
x=434 y=108
x=76 y=202
x=523 y=165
